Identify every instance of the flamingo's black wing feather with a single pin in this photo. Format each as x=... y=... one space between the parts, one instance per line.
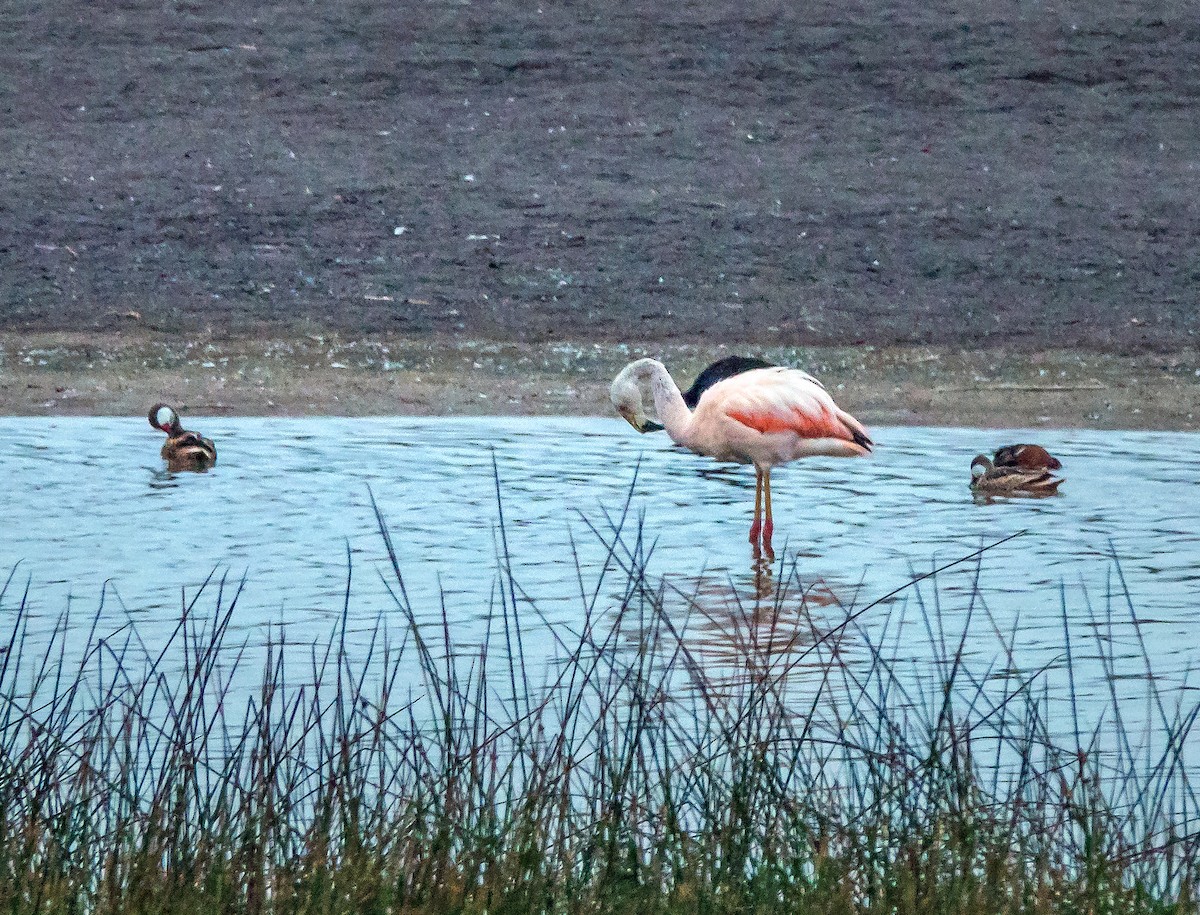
x=719 y=371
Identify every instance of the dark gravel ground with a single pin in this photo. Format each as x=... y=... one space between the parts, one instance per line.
x=949 y=173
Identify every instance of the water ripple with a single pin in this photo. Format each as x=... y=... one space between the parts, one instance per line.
x=88 y=501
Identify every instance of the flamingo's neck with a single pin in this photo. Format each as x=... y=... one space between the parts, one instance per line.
x=668 y=403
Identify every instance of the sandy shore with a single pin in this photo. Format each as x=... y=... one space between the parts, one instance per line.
x=61 y=374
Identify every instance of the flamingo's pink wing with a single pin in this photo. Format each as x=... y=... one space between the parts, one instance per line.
x=786 y=400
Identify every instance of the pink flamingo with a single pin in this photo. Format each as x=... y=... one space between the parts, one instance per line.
x=764 y=416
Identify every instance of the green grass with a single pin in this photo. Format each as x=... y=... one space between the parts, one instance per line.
x=631 y=775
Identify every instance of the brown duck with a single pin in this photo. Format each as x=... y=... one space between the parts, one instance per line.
x=183 y=450
x=990 y=480
x=1027 y=457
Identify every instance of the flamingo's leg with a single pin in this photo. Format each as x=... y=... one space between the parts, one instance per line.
x=756 y=526
x=768 y=525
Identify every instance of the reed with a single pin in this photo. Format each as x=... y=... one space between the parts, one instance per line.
x=633 y=774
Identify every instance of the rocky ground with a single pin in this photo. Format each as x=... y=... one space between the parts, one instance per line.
x=963 y=211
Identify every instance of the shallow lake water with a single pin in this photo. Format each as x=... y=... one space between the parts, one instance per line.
x=88 y=508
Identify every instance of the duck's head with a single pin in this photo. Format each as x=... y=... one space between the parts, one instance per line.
x=981 y=465
x=164 y=418
x=628 y=399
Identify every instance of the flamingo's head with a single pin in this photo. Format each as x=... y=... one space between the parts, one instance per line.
x=627 y=397
x=981 y=465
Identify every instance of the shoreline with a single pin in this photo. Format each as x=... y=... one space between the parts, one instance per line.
x=73 y=374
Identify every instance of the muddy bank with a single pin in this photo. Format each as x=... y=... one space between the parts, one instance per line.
x=829 y=173
x=72 y=374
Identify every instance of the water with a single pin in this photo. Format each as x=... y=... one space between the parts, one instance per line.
x=88 y=508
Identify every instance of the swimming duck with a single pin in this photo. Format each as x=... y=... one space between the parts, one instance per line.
x=1027 y=457
x=183 y=450
x=988 y=479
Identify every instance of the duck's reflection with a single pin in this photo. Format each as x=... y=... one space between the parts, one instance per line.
x=169 y=477
x=161 y=478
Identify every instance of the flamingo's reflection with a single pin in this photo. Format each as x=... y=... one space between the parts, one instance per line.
x=743 y=629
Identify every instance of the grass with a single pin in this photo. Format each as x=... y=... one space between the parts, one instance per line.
x=634 y=774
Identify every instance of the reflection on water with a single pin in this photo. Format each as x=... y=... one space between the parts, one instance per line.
x=762 y=570
x=730 y=624
x=289 y=502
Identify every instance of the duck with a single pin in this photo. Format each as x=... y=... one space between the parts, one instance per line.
x=989 y=480
x=183 y=450
x=1027 y=457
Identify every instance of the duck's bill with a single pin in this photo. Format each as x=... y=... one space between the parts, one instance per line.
x=649 y=425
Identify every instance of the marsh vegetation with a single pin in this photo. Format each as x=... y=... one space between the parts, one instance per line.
x=630 y=774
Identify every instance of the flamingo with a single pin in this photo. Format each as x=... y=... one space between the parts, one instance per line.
x=718 y=371
x=182 y=450
x=762 y=416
